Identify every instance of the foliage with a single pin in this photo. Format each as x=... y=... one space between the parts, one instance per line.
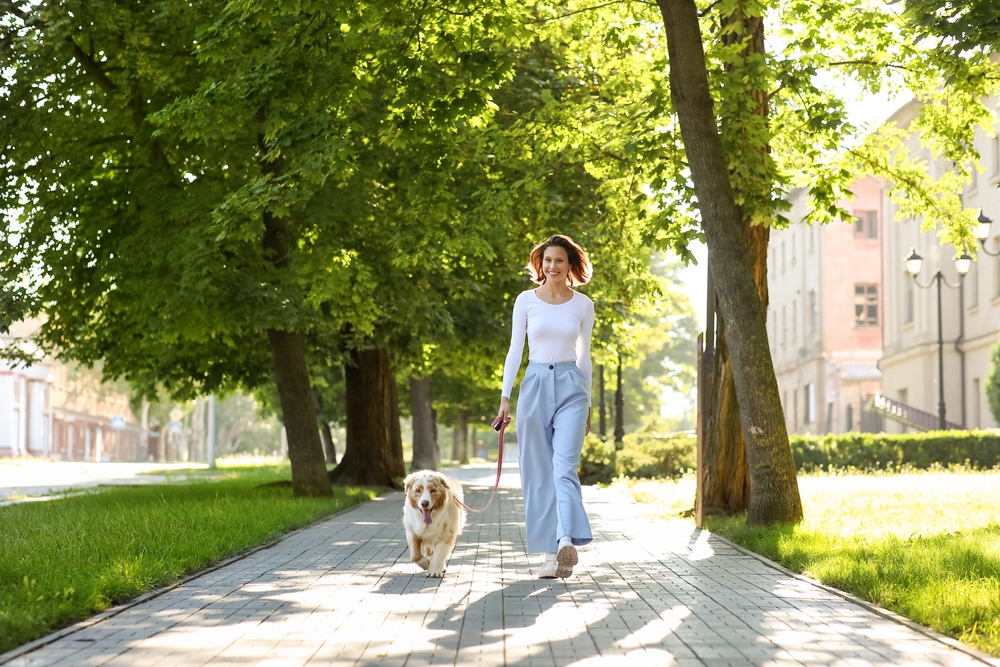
x=92 y=551
x=968 y=30
x=644 y=455
x=921 y=544
x=992 y=388
x=869 y=451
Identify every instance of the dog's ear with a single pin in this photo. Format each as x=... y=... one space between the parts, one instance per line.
x=407 y=483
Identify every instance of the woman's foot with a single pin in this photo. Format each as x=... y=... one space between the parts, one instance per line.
x=566 y=558
x=550 y=567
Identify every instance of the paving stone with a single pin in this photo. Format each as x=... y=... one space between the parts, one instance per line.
x=342 y=593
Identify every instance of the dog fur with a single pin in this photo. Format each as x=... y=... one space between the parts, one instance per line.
x=431 y=544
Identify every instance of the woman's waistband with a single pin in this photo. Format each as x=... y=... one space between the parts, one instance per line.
x=538 y=366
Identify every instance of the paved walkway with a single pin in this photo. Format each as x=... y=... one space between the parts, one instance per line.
x=646 y=593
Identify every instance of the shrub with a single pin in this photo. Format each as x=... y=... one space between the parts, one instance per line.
x=643 y=454
x=866 y=451
x=993 y=381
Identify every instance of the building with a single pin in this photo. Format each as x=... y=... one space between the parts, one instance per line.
x=60 y=411
x=970 y=314
x=825 y=313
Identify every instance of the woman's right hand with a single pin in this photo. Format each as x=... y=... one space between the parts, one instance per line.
x=504 y=411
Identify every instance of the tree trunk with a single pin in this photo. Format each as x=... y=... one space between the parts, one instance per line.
x=397 y=467
x=329 y=449
x=774 y=488
x=463 y=437
x=369 y=459
x=305 y=450
x=291 y=372
x=437 y=444
x=423 y=425
x=602 y=428
x=726 y=475
x=619 y=410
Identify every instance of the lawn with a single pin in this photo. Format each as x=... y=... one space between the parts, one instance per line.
x=64 y=560
x=923 y=544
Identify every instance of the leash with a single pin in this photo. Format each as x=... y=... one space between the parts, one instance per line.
x=499 y=425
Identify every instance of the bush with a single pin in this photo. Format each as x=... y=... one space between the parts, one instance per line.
x=643 y=454
x=867 y=451
x=993 y=381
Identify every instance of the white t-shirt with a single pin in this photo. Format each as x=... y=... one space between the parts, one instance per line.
x=559 y=332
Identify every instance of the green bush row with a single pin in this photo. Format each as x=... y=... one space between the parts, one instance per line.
x=865 y=451
x=648 y=455
x=642 y=455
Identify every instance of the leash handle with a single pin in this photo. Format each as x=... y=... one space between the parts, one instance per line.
x=500 y=425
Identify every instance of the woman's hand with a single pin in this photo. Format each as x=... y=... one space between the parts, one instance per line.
x=587 y=432
x=504 y=411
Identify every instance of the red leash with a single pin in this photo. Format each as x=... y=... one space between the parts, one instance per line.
x=501 y=426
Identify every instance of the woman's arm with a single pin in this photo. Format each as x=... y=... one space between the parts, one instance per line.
x=512 y=364
x=583 y=348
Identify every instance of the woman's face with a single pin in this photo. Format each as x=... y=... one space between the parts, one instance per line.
x=555 y=265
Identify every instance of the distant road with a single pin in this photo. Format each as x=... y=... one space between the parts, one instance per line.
x=33 y=478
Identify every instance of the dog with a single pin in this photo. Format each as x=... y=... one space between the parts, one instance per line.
x=432 y=519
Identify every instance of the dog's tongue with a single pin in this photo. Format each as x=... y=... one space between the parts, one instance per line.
x=427 y=517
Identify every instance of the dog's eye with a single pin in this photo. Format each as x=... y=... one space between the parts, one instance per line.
x=419 y=489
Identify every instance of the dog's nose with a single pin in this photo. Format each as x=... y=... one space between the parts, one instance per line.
x=424 y=504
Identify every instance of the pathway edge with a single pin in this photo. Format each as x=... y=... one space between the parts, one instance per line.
x=41 y=642
x=951 y=642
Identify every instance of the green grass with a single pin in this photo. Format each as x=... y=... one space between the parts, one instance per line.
x=923 y=544
x=64 y=560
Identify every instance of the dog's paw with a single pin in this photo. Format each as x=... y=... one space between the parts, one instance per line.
x=435 y=574
x=424 y=563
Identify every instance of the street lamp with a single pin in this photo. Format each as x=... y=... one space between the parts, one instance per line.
x=914 y=262
x=983 y=225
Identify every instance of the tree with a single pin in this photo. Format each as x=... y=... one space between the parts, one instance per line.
x=992 y=388
x=775 y=496
x=214 y=130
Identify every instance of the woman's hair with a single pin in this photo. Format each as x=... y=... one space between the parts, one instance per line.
x=580 y=268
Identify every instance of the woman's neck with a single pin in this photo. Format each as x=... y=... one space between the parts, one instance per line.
x=557 y=291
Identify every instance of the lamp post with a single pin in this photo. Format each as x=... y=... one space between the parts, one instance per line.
x=914 y=263
x=983 y=225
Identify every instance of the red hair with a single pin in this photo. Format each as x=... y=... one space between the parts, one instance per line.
x=580 y=268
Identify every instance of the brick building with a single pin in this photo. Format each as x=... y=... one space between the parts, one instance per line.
x=825 y=313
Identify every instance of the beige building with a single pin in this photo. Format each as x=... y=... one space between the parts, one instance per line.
x=58 y=411
x=970 y=313
x=825 y=313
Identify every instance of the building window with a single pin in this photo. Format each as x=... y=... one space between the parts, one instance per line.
x=795 y=409
x=829 y=417
x=996 y=155
x=810 y=406
x=812 y=238
x=793 y=249
x=866 y=225
x=784 y=325
x=813 y=313
x=866 y=305
x=782 y=256
x=973 y=280
x=850 y=417
x=910 y=296
x=795 y=322
x=974 y=176
x=996 y=267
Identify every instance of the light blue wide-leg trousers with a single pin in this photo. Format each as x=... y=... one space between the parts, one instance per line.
x=552 y=410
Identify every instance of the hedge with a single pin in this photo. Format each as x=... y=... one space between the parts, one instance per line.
x=642 y=455
x=868 y=451
x=647 y=455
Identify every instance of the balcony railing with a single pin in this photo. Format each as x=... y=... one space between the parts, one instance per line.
x=906 y=414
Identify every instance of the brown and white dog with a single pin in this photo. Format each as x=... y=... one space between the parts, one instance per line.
x=432 y=519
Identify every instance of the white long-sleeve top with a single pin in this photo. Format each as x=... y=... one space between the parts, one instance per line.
x=559 y=332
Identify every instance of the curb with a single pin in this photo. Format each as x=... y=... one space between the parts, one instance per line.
x=950 y=642
x=31 y=646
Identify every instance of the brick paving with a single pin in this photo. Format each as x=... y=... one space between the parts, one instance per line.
x=645 y=593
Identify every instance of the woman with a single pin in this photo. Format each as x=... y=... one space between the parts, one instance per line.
x=553 y=405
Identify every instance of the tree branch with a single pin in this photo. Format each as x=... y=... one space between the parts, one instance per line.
x=96 y=73
x=589 y=9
